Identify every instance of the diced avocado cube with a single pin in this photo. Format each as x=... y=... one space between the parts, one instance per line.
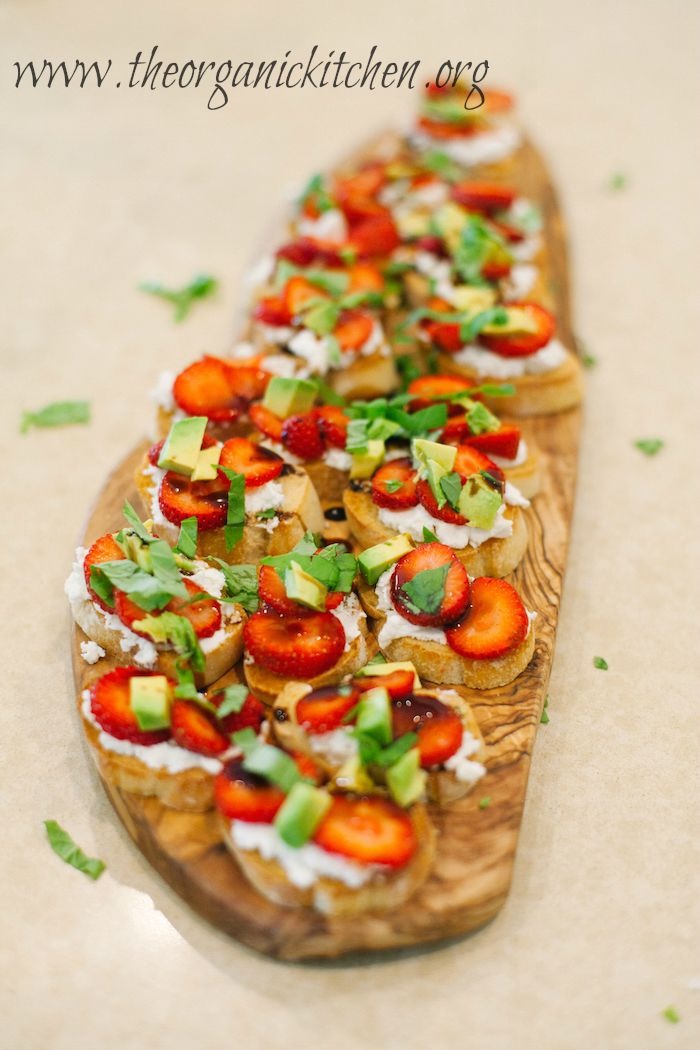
x=353 y=776
x=473 y=300
x=205 y=468
x=376 y=560
x=377 y=670
x=364 y=464
x=517 y=321
x=424 y=450
x=405 y=779
x=301 y=812
x=374 y=716
x=479 y=502
x=289 y=397
x=480 y=420
x=149 y=697
x=181 y=448
x=304 y=588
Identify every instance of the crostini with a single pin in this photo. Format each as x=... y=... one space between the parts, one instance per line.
x=483 y=137
x=455 y=630
x=139 y=601
x=248 y=502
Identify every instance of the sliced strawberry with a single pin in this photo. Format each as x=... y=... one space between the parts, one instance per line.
x=357 y=208
x=104 y=549
x=398 y=684
x=386 y=490
x=196 y=730
x=353 y=329
x=251 y=715
x=496 y=622
x=325 y=709
x=366 y=183
x=240 y=795
x=204 y=615
x=207 y=501
x=522 y=344
x=214 y=388
x=267 y=422
x=298 y=292
x=273 y=595
x=439 y=130
x=504 y=442
x=370 y=830
x=496 y=268
x=429 y=242
x=427 y=388
x=445 y=335
x=497 y=101
x=485 y=197
x=298 y=646
x=456 y=430
x=511 y=233
x=306 y=251
x=455 y=600
x=309 y=769
x=302 y=436
x=111 y=707
x=333 y=425
x=273 y=311
x=365 y=277
x=257 y=464
x=438 y=726
x=443 y=513
x=375 y=235
x=470 y=460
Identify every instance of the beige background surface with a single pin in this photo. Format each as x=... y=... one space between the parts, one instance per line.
x=103 y=189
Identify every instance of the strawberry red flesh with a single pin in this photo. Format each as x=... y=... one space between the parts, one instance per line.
x=207 y=501
x=215 y=388
x=251 y=715
x=438 y=726
x=111 y=707
x=272 y=311
x=196 y=730
x=306 y=251
x=257 y=464
x=204 y=615
x=470 y=460
x=325 y=709
x=398 y=684
x=374 y=235
x=394 y=485
x=368 y=830
x=267 y=422
x=240 y=795
x=495 y=624
x=522 y=344
x=298 y=646
x=333 y=425
x=302 y=436
x=455 y=600
x=485 y=197
x=445 y=513
x=353 y=329
x=105 y=548
x=504 y=442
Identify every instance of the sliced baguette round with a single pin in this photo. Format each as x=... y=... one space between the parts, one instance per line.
x=535 y=395
x=494 y=557
x=361 y=375
x=386 y=889
x=300 y=512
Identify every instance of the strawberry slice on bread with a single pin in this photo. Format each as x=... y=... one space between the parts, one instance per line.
x=110 y=705
x=438 y=598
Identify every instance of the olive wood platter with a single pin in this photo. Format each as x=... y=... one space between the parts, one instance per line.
x=476 y=846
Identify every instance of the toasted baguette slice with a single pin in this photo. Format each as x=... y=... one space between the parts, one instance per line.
x=526 y=476
x=436 y=662
x=364 y=375
x=535 y=395
x=267 y=686
x=494 y=557
x=301 y=512
x=384 y=891
x=418 y=287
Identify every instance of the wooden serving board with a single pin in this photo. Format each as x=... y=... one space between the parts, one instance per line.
x=476 y=847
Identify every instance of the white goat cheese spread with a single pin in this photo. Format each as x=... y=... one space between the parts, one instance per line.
x=486 y=363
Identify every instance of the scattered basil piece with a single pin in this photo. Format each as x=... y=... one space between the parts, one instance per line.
x=178 y=631
x=145 y=590
x=328 y=396
x=429 y=536
x=241 y=584
x=136 y=524
x=65 y=848
x=618 y=181
x=316 y=193
x=544 y=718
x=442 y=165
x=265 y=515
x=671 y=1015
x=185 y=688
x=246 y=739
x=426 y=590
x=378 y=658
x=233 y=701
x=275 y=765
x=394 y=751
x=485 y=802
x=649 y=446
x=235 y=513
x=182 y=298
x=451 y=487
x=600 y=663
x=333 y=283
x=356 y=440
x=57 y=414
x=393 y=485
x=187 y=538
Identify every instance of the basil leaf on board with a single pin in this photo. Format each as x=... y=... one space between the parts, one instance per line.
x=600 y=663
x=56 y=414
x=182 y=298
x=64 y=847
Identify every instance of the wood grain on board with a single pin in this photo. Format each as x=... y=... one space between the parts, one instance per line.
x=476 y=847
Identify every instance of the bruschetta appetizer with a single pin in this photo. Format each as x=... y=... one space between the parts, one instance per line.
x=454 y=494
x=148 y=741
x=455 y=630
x=138 y=601
x=310 y=626
x=477 y=137
x=248 y=502
x=328 y=724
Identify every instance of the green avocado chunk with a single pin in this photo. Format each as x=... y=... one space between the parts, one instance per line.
x=304 y=588
x=425 y=451
x=364 y=464
x=289 y=397
x=376 y=560
x=180 y=450
x=374 y=716
x=301 y=813
x=479 y=502
x=149 y=697
x=405 y=779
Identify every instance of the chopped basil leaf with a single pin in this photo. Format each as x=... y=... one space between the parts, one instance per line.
x=235 y=513
x=65 y=848
x=600 y=662
x=321 y=316
x=350 y=715
x=178 y=631
x=485 y=802
x=491 y=390
x=617 y=181
x=442 y=165
x=265 y=515
x=241 y=584
x=451 y=486
x=57 y=414
x=333 y=283
x=544 y=718
x=671 y=1015
x=328 y=396
x=315 y=192
x=185 y=688
x=428 y=536
x=393 y=485
x=649 y=446
x=335 y=354
x=378 y=658
x=480 y=420
x=182 y=298
x=275 y=765
x=393 y=751
x=187 y=538
x=165 y=568
x=145 y=590
x=588 y=360
x=426 y=590
x=407 y=369
x=136 y=523
x=479 y=243
x=233 y=701
x=356 y=440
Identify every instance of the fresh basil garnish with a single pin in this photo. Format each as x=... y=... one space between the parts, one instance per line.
x=241 y=584
x=187 y=538
x=64 y=847
x=426 y=590
x=182 y=298
x=57 y=414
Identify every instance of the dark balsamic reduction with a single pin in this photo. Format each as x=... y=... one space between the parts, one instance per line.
x=336 y=514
